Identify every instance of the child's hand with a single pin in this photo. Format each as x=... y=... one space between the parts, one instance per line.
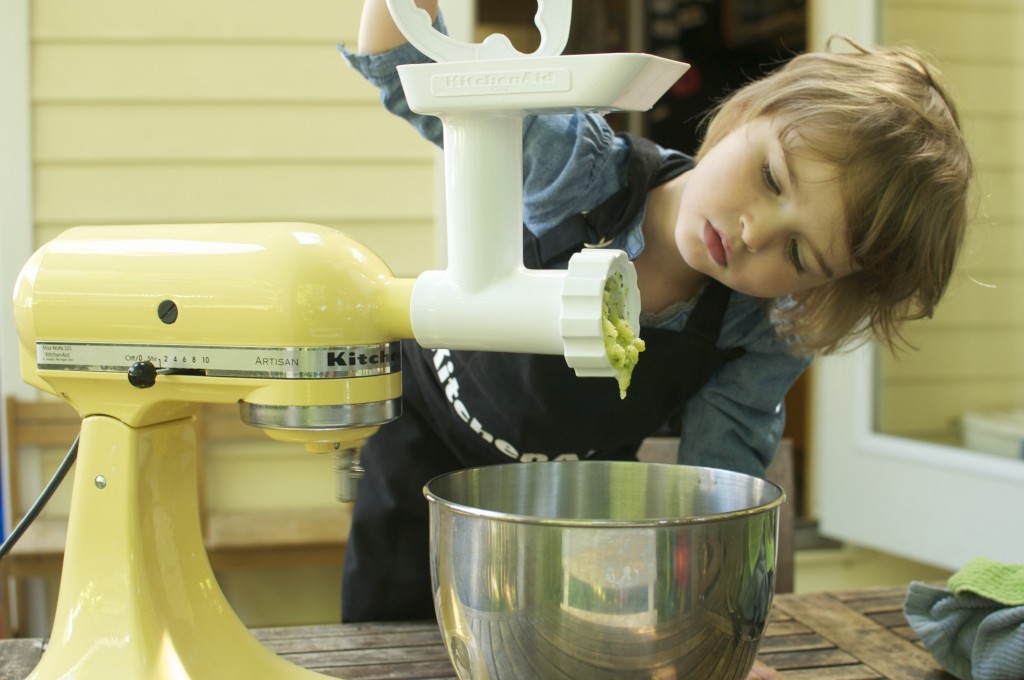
x=762 y=672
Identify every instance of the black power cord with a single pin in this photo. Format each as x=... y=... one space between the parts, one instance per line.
x=44 y=497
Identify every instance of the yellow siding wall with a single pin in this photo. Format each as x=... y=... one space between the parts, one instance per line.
x=200 y=111
x=971 y=356
x=220 y=110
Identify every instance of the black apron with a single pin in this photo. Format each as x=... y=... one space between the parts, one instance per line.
x=465 y=409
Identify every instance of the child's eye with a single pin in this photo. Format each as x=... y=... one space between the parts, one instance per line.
x=769 y=178
x=794 y=257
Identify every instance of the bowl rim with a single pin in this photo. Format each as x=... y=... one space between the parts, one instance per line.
x=603 y=523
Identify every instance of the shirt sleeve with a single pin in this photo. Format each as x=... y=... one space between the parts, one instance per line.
x=735 y=421
x=572 y=162
x=381 y=71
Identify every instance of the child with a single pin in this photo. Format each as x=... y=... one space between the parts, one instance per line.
x=825 y=207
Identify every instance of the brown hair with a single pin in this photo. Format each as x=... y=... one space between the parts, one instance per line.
x=886 y=121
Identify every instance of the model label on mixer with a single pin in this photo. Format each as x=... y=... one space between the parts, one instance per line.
x=304 y=363
x=278 y=361
x=501 y=82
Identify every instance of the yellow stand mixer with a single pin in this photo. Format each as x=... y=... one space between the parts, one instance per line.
x=135 y=326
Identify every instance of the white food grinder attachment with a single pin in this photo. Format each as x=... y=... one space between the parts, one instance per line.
x=137 y=326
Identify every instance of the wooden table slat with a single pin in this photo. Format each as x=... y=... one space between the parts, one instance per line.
x=341 y=643
x=435 y=671
x=870 y=593
x=907 y=633
x=857 y=672
x=367 y=657
x=875 y=605
x=849 y=635
x=888 y=619
x=825 y=657
x=774 y=644
x=783 y=628
x=873 y=644
x=385 y=628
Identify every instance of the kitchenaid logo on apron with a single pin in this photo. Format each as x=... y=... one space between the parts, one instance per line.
x=444 y=368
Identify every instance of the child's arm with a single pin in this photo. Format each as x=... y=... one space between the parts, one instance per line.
x=735 y=420
x=377 y=30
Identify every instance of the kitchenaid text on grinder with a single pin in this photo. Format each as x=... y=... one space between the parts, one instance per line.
x=501 y=82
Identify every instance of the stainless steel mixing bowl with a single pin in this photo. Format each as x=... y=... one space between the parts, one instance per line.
x=588 y=569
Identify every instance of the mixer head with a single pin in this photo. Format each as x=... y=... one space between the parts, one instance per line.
x=297 y=323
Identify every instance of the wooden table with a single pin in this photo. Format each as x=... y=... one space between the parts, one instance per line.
x=848 y=635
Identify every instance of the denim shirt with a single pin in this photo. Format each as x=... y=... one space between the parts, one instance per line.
x=571 y=163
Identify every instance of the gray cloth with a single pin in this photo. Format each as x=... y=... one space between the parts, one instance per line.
x=973 y=637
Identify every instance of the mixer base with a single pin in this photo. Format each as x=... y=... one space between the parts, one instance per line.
x=138 y=598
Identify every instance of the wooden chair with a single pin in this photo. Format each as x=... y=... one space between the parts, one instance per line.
x=663 y=450
x=40 y=552
x=239 y=539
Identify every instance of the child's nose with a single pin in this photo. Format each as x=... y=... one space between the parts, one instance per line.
x=755 y=234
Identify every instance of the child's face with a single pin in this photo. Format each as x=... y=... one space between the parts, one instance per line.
x=763 y=221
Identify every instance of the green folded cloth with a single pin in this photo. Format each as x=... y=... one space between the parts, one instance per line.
x=975 y=626
x=1002 y=583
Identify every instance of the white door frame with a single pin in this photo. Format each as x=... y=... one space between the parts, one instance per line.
x=15 y=176
x=939 y=505
x=15 y=198
x=935 y=504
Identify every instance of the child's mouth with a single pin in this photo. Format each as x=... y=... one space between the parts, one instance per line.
x=713 y=242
